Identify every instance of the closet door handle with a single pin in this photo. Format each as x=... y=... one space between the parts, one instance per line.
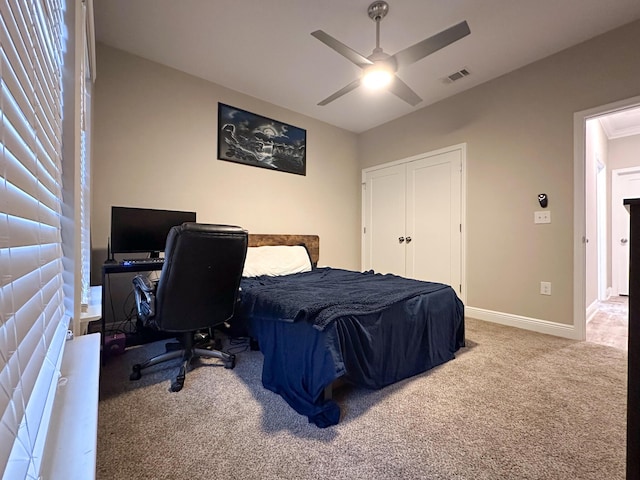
x=400 y=239
x=408 y=239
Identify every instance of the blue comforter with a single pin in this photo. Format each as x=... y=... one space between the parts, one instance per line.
x=371 y=329
x=324 y=294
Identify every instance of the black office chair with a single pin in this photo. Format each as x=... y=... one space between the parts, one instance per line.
x=197 y=290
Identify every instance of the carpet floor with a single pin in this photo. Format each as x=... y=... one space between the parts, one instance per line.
x=513 y=404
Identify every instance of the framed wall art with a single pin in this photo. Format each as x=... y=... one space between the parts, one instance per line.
x=251 y=139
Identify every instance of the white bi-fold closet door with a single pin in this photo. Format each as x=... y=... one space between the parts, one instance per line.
x=412 y=217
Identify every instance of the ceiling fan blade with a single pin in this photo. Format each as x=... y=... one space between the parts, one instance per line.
x=402 y=90
x=352 y=86
x=342 y=49
x=432 y=44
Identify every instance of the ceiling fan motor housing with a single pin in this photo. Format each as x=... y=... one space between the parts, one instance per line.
x=378 y=10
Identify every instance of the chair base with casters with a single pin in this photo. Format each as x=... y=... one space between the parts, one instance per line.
x=188 y=349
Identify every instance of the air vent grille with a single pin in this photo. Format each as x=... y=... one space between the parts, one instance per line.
x=464 y=72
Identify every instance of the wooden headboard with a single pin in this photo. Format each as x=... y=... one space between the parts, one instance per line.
x=312 y=242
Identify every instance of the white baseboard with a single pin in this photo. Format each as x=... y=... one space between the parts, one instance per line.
x=526 y=323
x=592 y=310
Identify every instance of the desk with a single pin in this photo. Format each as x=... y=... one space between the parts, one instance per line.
x=116 y=267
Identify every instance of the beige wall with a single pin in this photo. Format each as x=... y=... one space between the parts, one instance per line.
x=152 y=120
x=155 y=147
x=624 y=152
x=519 y=134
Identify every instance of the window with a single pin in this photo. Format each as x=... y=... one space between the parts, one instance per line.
x=87 y=76
x=33 y=322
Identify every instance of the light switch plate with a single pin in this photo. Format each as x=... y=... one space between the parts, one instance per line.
x=543 y=216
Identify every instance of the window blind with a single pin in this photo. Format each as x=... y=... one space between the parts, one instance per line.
x=86 y=84
x=33 y=323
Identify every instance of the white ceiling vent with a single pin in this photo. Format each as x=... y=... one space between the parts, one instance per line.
x=464 y=72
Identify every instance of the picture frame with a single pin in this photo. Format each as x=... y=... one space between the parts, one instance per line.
x=252 y=139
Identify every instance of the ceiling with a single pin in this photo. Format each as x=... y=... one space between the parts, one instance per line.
x=264 y=49
x=620 y=124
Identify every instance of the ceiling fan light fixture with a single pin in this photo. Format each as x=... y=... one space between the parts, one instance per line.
x=379 y=69
x=377 y=77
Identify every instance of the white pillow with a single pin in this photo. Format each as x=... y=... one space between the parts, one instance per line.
x=276 y=260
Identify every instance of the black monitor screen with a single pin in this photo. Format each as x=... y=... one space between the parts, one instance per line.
x=143 y=230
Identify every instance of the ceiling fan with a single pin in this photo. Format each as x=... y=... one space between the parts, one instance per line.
x=379 y=68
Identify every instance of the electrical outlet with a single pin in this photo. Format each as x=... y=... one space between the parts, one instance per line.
x=545 y=288
x=543 y=216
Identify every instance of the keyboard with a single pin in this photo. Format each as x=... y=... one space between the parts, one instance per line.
x=143 y=261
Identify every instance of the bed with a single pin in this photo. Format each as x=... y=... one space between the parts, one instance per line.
x=316 y=326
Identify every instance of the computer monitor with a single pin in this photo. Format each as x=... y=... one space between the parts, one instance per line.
x=143 y=230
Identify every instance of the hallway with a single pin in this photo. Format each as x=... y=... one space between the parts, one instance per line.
x=610 y=324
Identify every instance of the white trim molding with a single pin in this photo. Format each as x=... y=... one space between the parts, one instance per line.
x=462 y=147
x=579 y=207
x=592 y=310
x=526 y=323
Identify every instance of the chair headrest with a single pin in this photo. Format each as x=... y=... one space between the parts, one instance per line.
x=209 y=227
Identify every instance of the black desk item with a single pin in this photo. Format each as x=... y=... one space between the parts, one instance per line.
x=633 y=374
x=197 y=290
x=121 y=267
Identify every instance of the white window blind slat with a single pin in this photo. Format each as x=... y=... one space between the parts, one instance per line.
x=13 y=21
x=42 y=86
x=27 y=449
x=24 y=370
x=33 y=322
x=27 y=293
x=44 y=145
x=13 y=145
x=22 y=205
x=20 y=182
x=4 y=222
x=85 y=138
x=19 y=139
x=38 y=341
x=24 y=260
x=47 y=382
x=25 y=50
x=17 y=174
x=25 y=232
x=38 y=270
x=13 y=92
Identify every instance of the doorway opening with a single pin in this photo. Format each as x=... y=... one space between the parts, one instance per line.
x=610 y=161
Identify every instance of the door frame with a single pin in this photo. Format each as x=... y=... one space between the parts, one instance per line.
x=616 y=178
x=579 y=207
x=462 y=148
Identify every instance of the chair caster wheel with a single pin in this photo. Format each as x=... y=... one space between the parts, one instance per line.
x=229 y=364
x=136 y=374
x=178 y=383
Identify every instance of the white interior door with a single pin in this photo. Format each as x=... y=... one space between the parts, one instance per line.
x=412 y=217
x=625 y=184
x=434 y=219
x=384 y=220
